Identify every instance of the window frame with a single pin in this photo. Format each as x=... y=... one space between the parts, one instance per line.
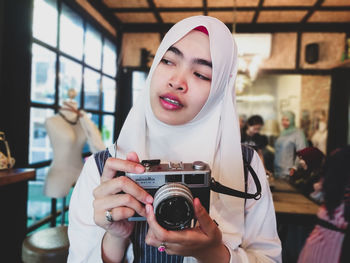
x=105 y=35
x=87 y=22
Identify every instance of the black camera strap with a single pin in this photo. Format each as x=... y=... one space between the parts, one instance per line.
x=102 y=156
x=219 y=188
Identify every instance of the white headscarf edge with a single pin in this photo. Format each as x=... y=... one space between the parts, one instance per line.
x=228 y=157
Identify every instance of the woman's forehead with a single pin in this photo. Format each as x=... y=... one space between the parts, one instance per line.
x=193 y=43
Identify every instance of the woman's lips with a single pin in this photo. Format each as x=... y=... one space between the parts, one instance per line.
x=170 y=102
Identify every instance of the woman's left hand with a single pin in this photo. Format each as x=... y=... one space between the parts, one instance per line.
x=203 y=242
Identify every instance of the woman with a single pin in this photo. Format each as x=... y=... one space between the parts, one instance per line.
x=250 y=135
x=309 y=169
x=330 y=239
x=287 y=144
x=186 y=113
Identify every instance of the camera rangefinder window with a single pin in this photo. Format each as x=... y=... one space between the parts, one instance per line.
x=194 y=179
x=173 y=178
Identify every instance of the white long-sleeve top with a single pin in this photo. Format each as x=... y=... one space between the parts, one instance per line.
x=258 y=242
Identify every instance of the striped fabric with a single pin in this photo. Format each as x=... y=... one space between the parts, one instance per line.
x=100 y=159
x=143 y=253
x=324 y=245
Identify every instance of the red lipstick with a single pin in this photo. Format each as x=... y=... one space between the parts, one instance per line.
x=170 y=102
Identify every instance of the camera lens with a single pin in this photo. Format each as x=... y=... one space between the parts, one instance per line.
x=173 y=206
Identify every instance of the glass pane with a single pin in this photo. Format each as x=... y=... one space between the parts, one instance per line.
x=108 y=94
x=138 y=83
x=95 y=118
x=92 y=87
x=109 y=58
x=43 y=75
x=93 y=48
x=39 y=205
x=107 y=129
x=39 y=143
x=71 y=33
x=70 y=77
x=45 y=21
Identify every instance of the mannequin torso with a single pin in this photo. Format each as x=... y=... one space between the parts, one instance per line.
x=67 y=140
x=319 y=139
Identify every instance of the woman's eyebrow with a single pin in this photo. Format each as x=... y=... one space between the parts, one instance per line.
x=199 y=61
x=176 y=51
x=203 y=62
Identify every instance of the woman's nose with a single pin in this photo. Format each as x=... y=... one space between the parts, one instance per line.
x=178 y=81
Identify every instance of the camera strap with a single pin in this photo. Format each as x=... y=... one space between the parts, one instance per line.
x=215 y=186
x=219 y=188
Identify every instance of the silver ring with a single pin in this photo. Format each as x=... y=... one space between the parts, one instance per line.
x=109 y=216
x=162 y=247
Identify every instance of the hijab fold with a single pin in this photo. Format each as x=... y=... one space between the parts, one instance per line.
x=291 y=128
x=213 y=136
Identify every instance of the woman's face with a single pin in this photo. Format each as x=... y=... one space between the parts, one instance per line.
x=254 y=129
x=285 y=122
x=181 y=82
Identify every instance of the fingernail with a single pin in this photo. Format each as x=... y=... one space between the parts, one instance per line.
x=149 y=199
x=148 y=209
x=140 y=169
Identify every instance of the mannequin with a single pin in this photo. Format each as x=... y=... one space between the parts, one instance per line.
x=67 y=138
x=319 y=139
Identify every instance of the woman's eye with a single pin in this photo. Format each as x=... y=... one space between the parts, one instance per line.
x=201 y=76
x=166 y=61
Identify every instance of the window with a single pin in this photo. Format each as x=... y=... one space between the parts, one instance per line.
x=67 y=53
x=138 y=83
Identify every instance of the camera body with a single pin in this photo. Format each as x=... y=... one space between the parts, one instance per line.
x=173 y=187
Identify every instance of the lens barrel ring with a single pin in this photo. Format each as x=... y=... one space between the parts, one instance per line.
x=170 y=197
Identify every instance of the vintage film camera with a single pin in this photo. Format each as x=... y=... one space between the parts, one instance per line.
x=173 y=187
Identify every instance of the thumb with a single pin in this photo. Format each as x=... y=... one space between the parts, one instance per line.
x=206 y=224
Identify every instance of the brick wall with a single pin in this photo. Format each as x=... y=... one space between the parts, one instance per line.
x=314 y=102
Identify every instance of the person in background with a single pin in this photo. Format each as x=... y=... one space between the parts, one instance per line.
x=330 y=239
x=308 y=171
x=250 y=134
x=319 y=138
x=291 y=140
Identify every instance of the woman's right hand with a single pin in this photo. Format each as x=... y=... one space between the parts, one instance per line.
x=121 y=196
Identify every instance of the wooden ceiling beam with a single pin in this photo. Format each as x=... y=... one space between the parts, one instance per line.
x=249 y=27
x=210 y=9
x=311 y=11
x=256 y=15
x=205 y=7
x=106 y=13
x=154 y=10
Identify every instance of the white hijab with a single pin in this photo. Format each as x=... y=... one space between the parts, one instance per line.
x=213 y=136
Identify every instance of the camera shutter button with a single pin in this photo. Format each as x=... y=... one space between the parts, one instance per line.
x=198 y=165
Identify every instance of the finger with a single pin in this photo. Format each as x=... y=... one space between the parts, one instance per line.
x=157 y=230
x=151 y=239
x=132 y=156
x=118 y=214
x=120 y=200
x=121 y=213
x=207 y=225
x=165 y=235
x=113 y=165
x=122 y=184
